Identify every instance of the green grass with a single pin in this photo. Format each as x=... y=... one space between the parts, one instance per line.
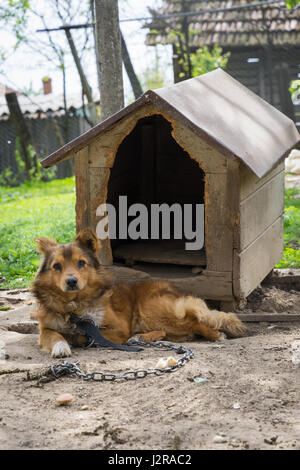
x=48 y=210
x=30 y=211
x=291 y=236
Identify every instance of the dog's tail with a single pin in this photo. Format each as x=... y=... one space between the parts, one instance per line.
x=225 y=322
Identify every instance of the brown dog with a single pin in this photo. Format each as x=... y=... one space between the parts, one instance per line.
x=71 y=280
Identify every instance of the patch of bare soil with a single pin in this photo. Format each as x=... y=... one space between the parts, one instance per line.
x=249 y=400
x=273 y=300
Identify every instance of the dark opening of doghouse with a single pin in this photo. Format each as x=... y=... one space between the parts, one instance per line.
x=152 y=170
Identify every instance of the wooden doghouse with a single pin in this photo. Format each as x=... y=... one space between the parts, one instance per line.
x=207 y=140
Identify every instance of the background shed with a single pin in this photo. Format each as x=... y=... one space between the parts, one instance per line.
x=263 y=41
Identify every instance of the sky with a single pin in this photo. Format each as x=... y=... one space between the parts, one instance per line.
x=24 y=68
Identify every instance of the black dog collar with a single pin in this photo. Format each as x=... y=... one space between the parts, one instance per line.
x=88 y=328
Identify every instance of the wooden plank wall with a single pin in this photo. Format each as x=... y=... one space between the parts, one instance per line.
x=260 y=241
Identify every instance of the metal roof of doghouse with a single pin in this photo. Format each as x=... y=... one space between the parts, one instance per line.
x=220 y=110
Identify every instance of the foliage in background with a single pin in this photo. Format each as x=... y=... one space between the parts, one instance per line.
x=14 y=13
x=294 y=89
x=295 y=84
x=291 y=236
x=13 y=177
x=13 y=17
x=203 y=60
x=154 y=77
x=206 y=59
x=292 y=3
x=29 y=211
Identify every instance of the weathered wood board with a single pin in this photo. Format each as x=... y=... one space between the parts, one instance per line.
x=259 y=210
x=253 y=264
x=213 y=286
x=82 y=189
x=249 y=182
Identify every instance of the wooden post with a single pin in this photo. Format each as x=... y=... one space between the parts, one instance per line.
x=109 y=57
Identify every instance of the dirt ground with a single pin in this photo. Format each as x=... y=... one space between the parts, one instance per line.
x=250 y=399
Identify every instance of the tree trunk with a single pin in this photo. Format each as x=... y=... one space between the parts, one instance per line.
x=22 y=132
x=109 y=56
x=134 y=81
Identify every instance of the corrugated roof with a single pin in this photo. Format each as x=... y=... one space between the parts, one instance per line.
x=42 y=103
x=245 y=27
x=220 y=110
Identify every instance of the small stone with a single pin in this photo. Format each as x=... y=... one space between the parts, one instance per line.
x=164 y=363
x=236 y=406
x=272 y=440
x=219 y=439
x=200 y=380
x=234 y=443
x=84 y=407
x=64 y=399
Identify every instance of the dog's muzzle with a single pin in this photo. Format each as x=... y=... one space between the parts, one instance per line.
x=72 y=283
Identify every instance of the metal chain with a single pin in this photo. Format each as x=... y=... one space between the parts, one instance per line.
x=66 y=368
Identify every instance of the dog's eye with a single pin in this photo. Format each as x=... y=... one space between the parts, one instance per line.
x=81 y=263
x=57 y=267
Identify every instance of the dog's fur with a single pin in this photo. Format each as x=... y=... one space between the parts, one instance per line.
x=71 y=280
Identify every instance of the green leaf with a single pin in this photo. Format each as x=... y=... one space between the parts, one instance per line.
x=292 y=3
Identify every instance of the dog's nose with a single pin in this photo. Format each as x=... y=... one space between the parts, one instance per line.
x=71 y=282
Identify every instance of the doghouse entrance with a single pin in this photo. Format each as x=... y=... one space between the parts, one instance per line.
x=151 y=169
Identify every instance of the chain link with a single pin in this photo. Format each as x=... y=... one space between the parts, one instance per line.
x=66 y=368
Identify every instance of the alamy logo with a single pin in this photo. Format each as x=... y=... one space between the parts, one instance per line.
x=162 y=221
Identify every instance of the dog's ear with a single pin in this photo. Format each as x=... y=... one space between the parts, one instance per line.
x=44 y=245
x=87 y=239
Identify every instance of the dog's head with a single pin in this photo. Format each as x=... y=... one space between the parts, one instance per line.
x=70 y=268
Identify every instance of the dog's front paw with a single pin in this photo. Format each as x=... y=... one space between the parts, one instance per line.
x=61 y=349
